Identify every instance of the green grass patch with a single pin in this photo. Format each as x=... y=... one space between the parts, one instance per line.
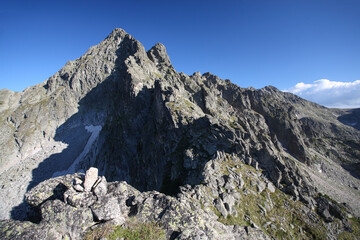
x=234 y=220
x=355 y=227
x=285 y=219
x=99 y=232
x=133 y=231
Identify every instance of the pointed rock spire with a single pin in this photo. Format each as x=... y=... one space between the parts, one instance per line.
x=158 y=55
x=117 y=33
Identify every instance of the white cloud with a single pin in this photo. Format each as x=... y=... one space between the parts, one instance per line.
x=329 y=93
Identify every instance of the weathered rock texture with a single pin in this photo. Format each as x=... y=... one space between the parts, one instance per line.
x=130 y=114
x=234 y=201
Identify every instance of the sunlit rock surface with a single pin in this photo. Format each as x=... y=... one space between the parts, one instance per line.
x=131 y=115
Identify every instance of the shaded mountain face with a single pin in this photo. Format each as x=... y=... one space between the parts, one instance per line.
x=129 y=113
x=351 y=118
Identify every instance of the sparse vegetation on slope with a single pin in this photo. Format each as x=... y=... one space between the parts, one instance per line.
x=229 y=162
x=133 y=231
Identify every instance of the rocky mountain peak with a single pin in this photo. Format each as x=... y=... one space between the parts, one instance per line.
x=271 y=89
x=158 y=55
x=211 y=77
x=208 y=159
x=116 y=34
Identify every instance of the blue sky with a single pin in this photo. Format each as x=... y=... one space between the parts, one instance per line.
x=251 y=42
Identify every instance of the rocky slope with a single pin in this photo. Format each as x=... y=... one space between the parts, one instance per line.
x=236 y=161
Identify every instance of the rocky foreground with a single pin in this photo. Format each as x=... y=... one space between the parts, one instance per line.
x=194 y=154
x=235 y=201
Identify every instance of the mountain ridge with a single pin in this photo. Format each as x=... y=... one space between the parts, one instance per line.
x=129 y=113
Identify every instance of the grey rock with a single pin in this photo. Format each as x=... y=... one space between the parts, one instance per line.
x=79 y=188
x=53 y=188
x=263 y=209
x=100 y=187
x=292 y=189
x=183 y=215
x=158 y=130
x=249 y=233
x=108 y=209
x=158 y=55
x=336 y=211
x=79 y=199
x=78 y=181
x=219 y=205
x=229 y=185
x=228 y=201
x=60 y=217
x=328 y=209
x=271 y=187
x=91 y=177
x=260 y=186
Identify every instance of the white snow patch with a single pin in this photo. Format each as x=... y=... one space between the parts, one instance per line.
x=35 y=151
x=95 y=131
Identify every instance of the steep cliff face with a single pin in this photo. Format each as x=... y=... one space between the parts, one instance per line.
x=129 y=113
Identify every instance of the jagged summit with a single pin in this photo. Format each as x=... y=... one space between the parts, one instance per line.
x=158 y=55
x=117 y=32
x=234 y=156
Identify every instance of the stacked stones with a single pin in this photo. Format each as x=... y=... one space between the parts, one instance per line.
x=85 y=193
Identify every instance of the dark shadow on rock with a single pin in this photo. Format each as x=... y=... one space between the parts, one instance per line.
x=76 y=139
x=353 y=169
x=34 y=213
x=73 y=133
x=19 y=212
x=351 y=118
x=174 y=235
x=25 y=211
x=139 y=142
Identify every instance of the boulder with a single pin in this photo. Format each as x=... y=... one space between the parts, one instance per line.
x=260 y=186
x=107 y=209
x=91 y=177
x=79 y=199
x=100 y=187
x=270 y=186
x=53 y=188
x=65 y=219
x=219 y=205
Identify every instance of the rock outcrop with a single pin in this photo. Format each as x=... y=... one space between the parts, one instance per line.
x=234 y=201
x=226 y=157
